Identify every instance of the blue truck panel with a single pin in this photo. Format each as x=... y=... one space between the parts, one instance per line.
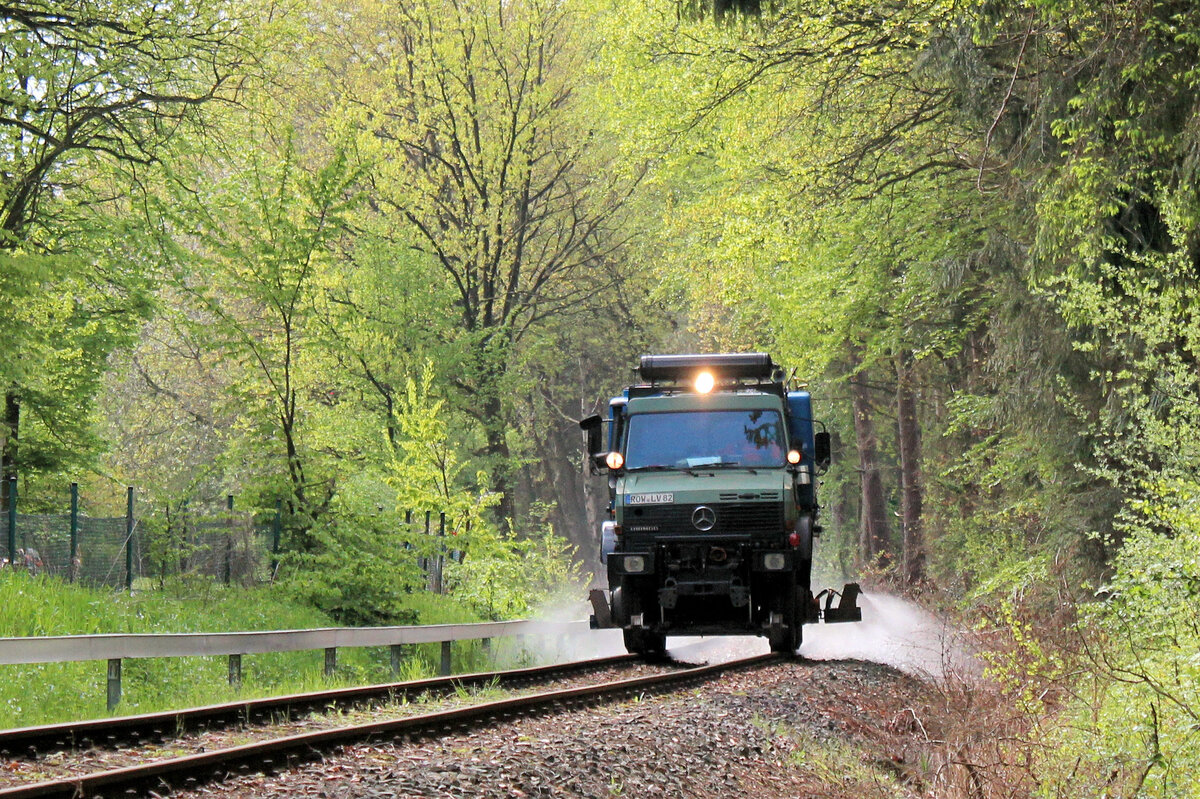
x=800 y=423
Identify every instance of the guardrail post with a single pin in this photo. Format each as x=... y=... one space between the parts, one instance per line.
x=114 y=684
x=235 y=671
x=445 y=671
x=330 y=661
x=486 y=645
x=396 y=651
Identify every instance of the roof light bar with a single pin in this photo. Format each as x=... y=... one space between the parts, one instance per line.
x=730 y=365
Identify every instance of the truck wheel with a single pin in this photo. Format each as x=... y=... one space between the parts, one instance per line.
x=620 y=614
x=787 y=639
x=804 y=528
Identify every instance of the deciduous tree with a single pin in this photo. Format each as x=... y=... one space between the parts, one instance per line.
x=90 y=95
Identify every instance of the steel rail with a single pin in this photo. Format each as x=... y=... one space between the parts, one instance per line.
x=110 y=731
x=192 y=770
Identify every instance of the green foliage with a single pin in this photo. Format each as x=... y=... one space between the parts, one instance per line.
x=1136 y=733
x=359 y=576
x=391 y=276
x=503 y=576
x=1026 y=665
x=499 y=574
x=426 y=469
x=64 y=312
x=78 y=148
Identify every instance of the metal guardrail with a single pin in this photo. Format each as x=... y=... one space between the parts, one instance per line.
x=116 y=648
x=65 y=648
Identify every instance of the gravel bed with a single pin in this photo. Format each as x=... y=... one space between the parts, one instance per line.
x=827 y=729
x=69 y=763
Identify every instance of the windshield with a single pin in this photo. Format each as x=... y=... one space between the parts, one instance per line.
x=688 y=439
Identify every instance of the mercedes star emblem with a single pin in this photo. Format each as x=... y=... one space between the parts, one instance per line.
x=704 y=518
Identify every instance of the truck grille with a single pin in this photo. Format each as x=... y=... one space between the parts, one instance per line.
x=733 y=518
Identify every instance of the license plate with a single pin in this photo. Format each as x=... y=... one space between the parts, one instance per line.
x=651 y=499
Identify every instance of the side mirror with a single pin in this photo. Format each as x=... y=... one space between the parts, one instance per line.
x=822 y=456
x=594 y=444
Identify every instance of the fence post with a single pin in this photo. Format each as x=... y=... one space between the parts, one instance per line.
x=426 y=561
x=276 y=526
x=74 y=561
x=228 y=575
x=441 y=553
x=183 y=537
x=114 y=684
x=128 y=556
x=12 y=521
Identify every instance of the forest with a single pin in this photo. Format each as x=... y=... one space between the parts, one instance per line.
x=362 y=257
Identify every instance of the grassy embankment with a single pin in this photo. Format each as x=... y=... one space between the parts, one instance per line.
x=50 y=692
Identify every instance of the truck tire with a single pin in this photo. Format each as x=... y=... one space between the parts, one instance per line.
x=620 y=613
x=804 y=527
x=786 y=640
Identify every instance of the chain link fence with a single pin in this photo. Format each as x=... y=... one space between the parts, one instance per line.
x=224 y=545
x=157 y=542
x=43 y=546
x=148 y=542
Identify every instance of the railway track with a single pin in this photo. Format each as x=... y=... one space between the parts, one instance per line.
x=275 y=754
x=113 y=732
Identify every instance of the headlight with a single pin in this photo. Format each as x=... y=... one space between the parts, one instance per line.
x=774 y=561
x=614 y=460
x=634 y=564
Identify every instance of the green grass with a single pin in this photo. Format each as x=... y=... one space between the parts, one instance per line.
x=50 y=692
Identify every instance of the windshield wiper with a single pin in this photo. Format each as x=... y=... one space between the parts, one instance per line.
x=733 y=465
x=655 y=467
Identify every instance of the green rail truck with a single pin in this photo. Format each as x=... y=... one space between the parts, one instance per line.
x=712 y=466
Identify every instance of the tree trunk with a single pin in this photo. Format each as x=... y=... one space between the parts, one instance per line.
x=595 y=501
x=558 y=457
x=499 y=458
x=8 y=456
x=302 y=515
x=875 y=535
x=840 y=510
x=910 y=470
